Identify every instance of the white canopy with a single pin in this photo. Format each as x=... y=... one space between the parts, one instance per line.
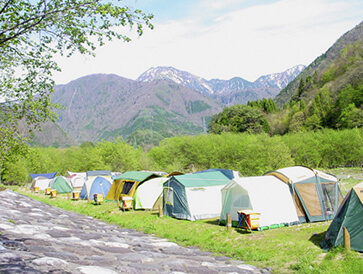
x=148 y=192
x=266 y=195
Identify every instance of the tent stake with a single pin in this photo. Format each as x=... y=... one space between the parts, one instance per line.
x=229 y=223
x=346 y=238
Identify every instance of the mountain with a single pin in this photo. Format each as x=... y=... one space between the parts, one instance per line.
x=103 y=106
x=328 y=93
x=280 y=80
x=162 y=102
x=183 y=78
x=320 y=66
x=229 y=92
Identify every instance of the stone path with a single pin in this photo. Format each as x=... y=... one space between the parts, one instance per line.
x=38 y=238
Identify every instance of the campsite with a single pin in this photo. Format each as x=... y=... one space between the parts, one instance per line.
x=295 y=248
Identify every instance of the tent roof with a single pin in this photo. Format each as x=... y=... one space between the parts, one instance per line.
x=46 y=175
x=254 y=183
x=297 y=174
x=227 y=172
x=137 y=176
x=98 y=173
x=203 y=179
x=72 y=174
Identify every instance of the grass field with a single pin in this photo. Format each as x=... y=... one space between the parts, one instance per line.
x=284 y=250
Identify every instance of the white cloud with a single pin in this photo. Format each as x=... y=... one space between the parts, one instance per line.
x=247 y=42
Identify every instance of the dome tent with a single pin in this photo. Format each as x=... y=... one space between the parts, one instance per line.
x=97 y=185
x=316 y=194
x=61 y=184
x=148 y=193
x=41 y=180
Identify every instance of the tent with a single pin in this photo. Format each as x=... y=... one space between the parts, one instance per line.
x=316 y=194
x=125 y=185
x=350 y=216
x=45 y=175
x=266 y=195
x=77 y=178
x=61 y=184
x=41 y=182
x=97 y=185
x=149 y=194
x=231 y=174
x=194 y=196
x=95 y=173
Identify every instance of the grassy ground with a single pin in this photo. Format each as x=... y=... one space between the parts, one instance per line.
x=284 y=250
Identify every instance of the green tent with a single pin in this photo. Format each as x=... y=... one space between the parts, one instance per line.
x=350 y=216
x=194 y=196
x=61 y=184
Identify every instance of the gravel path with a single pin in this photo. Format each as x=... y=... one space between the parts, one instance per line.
x=38 y=238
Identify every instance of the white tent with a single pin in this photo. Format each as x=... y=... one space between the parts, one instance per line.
x=41 y=182
x=77 y=179
x=148 y=193
x=266 y=195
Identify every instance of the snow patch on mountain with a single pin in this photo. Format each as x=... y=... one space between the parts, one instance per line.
x=217 y=86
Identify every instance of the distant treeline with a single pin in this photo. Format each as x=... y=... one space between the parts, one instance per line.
x=250 y=154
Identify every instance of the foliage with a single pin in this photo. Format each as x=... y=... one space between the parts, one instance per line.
x=32 y=33
x=250 y=154
x=334 y=99
x=238 y=118
x=267 y=105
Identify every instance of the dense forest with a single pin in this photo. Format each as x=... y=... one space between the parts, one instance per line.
x=250 y=154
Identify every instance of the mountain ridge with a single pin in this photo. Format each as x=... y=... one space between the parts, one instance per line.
x=161 y=103
x=217 y=88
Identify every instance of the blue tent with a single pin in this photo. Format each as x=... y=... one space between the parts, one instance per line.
x=46 y=175
x=98 y=185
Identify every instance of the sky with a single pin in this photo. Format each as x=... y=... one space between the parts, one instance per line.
x=221 y=39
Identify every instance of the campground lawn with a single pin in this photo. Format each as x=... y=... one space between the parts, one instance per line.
x=283 y=250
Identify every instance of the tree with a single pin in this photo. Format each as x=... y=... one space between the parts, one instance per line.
x=239 y=118
x=33 y=32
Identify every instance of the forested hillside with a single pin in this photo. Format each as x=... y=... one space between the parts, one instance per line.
x=328 y=94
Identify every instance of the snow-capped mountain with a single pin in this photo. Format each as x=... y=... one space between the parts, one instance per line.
x=184 y=78
x=280 y=80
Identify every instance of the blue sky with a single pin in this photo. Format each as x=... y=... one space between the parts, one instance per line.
x=222 y=39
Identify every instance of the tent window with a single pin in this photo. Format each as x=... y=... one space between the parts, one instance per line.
x=242 y=202
x=169 y=196
x=329 y=198
x=127 y=187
